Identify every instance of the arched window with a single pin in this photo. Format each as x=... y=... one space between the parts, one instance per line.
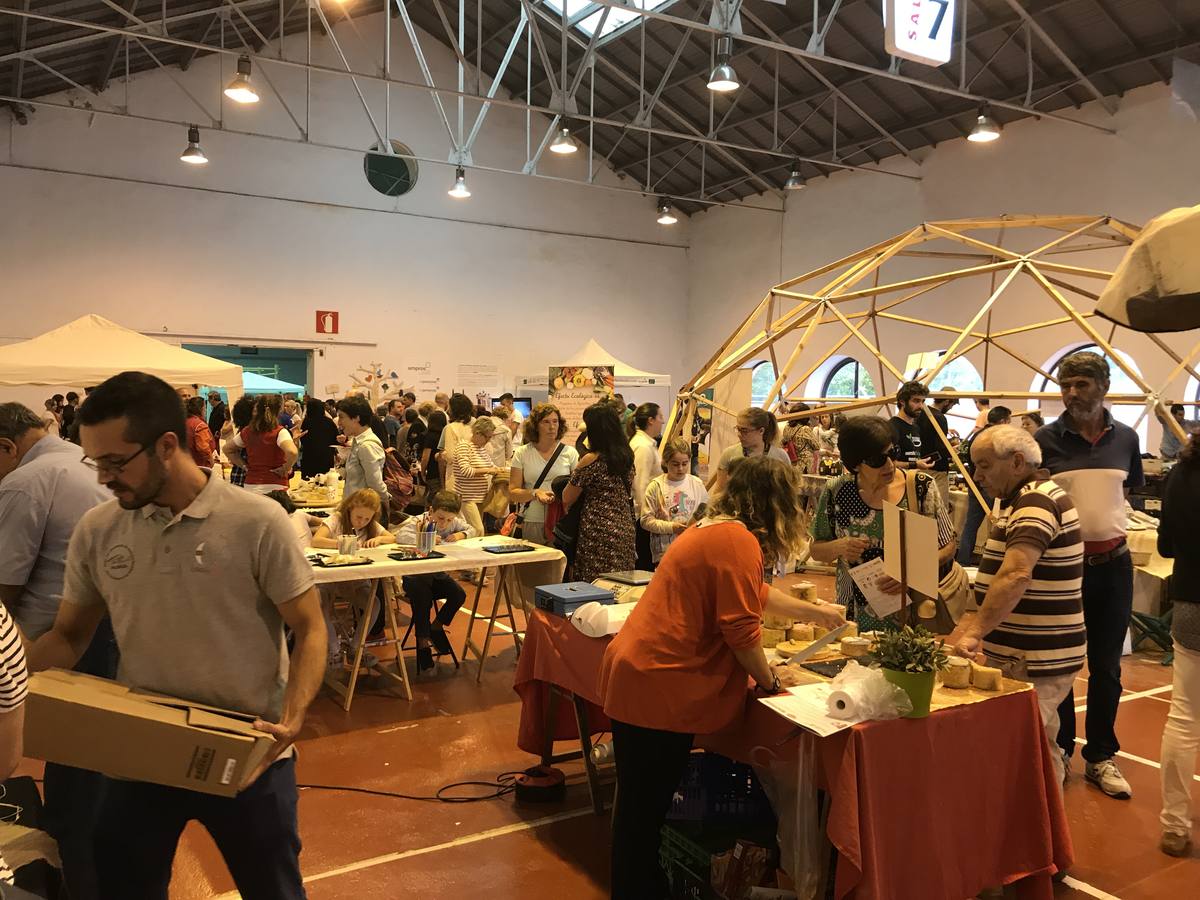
x=959 y=375
x=1118 y=383
x=848 y=378
x=762 y=379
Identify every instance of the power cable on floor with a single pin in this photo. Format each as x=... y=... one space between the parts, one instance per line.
x=504 y=785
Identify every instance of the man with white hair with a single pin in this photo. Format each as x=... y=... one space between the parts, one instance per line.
x=1030 y=582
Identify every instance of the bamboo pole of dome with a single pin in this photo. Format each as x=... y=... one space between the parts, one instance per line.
x=840 y=263
x=1099 y=340
x=866 y=343
x=916 y=236
x=996 y=294
x=780 y=376
x=940 y=278
x=875 y=332
x=808 y=373
x=1081 y=271
x=1023 y=360
x=1071 y=235
x=1166 y=348
x=996 y=253
x=958 y=463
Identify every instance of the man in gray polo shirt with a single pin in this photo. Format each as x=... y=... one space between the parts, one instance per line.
x=198 y=578
x=44 y=491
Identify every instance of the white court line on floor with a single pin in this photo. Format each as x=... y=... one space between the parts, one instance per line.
x=1137 y=695
x=421 y=851
x=1084 y=888
x=1137 y=759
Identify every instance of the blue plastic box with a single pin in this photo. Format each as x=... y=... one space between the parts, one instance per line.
x=564 y=599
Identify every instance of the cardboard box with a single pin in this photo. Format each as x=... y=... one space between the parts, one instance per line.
x=97 y=724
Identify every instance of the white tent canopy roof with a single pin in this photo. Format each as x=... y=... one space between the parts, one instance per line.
x=592 y=354
x=91 y=349
x=263 y=384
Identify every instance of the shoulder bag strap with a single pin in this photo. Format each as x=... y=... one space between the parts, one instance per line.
x=549 y=465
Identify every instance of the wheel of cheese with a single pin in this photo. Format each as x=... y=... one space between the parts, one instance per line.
x=790 y=648
x=772 y=636
x=804 y=590
x=801 y=632
x=957 y=673
x=985 y=678
x=778 y=622
x=854 y=647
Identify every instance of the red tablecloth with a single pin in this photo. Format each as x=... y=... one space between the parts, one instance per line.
x=929 y=808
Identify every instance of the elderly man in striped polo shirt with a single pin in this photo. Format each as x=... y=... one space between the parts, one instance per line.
x=1030 y=583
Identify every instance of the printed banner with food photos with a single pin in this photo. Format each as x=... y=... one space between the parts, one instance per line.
x=574 y=388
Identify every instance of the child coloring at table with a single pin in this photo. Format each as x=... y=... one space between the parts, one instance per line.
x=357 y=514
x=444 y=518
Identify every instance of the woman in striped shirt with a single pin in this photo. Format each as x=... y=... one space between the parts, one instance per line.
x=473 y=470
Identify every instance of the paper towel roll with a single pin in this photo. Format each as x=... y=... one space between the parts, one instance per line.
x=843 y=704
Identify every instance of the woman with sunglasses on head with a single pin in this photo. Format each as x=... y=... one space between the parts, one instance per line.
x=758 y=435
x=848 y=526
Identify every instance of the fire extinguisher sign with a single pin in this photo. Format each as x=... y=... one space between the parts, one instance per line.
x=327 y=321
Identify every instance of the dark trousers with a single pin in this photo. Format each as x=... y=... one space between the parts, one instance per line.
x=645 y=557
x=1107 y=605
x=422 y=590
x=975 y=517
x=650 y=764
x=72 y=796
x=256 y=832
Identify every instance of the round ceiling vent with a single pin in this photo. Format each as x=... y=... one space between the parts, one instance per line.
x=394 y=175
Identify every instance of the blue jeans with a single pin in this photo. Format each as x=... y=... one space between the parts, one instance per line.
x=256 y=831
x=1107 y=605
x=975 y=517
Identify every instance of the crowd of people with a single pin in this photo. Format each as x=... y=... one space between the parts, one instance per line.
x=1054 y=584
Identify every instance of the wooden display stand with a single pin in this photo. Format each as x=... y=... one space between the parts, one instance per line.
x=853 y=309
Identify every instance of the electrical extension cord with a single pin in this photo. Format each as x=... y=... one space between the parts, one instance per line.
x=504 y=785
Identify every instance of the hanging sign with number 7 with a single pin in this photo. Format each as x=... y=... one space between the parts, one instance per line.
x=920 y=30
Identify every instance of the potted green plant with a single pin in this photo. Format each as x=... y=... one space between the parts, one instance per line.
x=910 y=659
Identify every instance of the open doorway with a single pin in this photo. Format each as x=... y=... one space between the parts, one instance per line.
x=287 y=364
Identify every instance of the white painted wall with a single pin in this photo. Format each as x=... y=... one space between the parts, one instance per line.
x=100 y=216
x=1150 y=165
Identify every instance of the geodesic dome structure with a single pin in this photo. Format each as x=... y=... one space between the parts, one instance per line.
x=996 y=286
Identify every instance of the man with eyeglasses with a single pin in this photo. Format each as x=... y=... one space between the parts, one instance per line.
x=44 y=490
x=199 y=578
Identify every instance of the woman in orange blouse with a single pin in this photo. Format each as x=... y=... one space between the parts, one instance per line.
x=679 y=665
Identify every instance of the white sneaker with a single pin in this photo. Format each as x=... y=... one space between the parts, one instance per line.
x=1106 y=776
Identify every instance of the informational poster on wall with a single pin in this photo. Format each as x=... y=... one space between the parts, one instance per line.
x=477 y=378
x=424 y=381
x=574 y=388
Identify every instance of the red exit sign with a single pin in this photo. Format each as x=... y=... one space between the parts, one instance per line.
x=327 y=321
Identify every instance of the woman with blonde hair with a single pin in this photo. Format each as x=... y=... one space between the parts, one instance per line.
x=264 y=448
x=473 y=470
x=679 y=665
x=758 y=434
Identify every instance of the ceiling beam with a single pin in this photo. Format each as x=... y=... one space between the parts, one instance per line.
x=108 y=58
x=800 y=53
x=1019 y=9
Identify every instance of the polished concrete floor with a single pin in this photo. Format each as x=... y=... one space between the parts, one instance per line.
x=377 y=848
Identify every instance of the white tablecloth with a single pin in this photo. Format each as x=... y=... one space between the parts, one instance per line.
x=542 y=565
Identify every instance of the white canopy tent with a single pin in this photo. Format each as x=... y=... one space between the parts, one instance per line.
x=253 y=383
x=592 y=354
x=85 y=352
